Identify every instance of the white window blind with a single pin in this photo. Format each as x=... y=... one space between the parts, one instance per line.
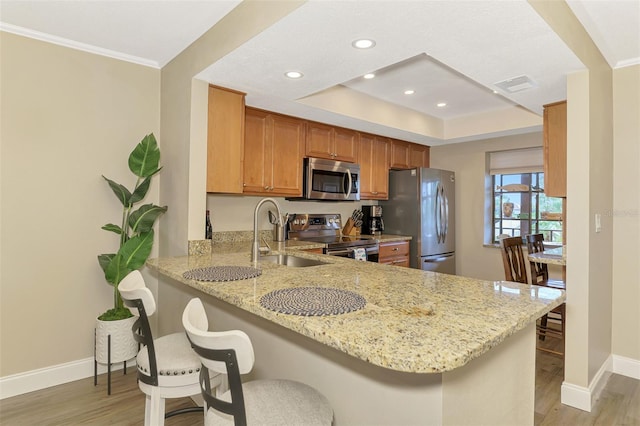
x=527 y=160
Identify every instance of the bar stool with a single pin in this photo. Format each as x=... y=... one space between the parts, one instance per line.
x=257 y=402
x=167 y=367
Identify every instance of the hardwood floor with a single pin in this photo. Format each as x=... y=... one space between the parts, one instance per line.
x=82 y=403
x=618 y=404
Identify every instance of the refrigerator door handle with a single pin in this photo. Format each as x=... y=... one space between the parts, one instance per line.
x=438 y=216
x=437 y=259
x=445 y=215
x=441 y=214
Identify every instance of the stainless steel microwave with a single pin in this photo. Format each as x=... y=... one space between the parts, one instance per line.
x=331 y=180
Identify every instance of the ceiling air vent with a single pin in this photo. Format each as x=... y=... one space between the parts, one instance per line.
x=516 y=84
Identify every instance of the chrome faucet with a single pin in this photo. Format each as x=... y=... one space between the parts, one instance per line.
x=255 y=248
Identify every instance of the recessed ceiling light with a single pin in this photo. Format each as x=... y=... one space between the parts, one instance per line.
x=409 y=92
x=368 y=76
x=363 y=43
x=293 y=74
x=441 y=104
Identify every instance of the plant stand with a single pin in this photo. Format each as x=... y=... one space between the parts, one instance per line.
x=95 y=363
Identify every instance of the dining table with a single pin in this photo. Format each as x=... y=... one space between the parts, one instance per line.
x=552 y=256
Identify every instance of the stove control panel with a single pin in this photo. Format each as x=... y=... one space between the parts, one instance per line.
x=315 y=222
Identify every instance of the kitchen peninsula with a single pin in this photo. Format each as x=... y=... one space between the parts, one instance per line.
x=426 y=348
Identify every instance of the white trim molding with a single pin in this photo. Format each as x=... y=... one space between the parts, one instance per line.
x=18 y=384
x=583 y=398
x=60 y=41
x=626 y=366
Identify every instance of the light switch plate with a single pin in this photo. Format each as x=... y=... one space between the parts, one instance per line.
x=598 y=223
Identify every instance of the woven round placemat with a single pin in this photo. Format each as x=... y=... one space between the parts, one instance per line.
x=222 y=273
x=312 y=301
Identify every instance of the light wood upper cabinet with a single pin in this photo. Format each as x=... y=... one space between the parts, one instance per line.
x=555 y=149
x=400 y=155
x=408 y=155
x=418 y=155
x=333 y=143
x=225 y=134
x=374 y=167
x=273 y=153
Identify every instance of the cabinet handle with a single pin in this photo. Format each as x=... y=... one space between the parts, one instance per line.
x=395 y=249
x=266 y=188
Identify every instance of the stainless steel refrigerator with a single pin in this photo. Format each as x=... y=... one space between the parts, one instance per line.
x=422 y=204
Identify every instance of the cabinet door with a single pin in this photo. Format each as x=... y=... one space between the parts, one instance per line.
x=333 y=143
x=400 y=158
x=345 y=144
x=287 y=137
x=419 y=155
x=256 y=152
x=555 y=149
x=319 y=141
x=374 y=169
x=225 y=140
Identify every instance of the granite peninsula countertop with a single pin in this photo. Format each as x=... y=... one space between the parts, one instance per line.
x=414 y=321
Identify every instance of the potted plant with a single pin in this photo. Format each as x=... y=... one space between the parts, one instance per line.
x=136 y=241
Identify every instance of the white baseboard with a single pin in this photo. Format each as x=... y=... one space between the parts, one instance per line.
x=42 y=378
x=626 y=366
x=583 y=398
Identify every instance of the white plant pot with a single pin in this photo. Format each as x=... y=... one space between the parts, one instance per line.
x=123 y=345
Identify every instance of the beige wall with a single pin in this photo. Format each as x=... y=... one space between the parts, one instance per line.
x=67 y=117
x=626 y=212
x=590 y=142
x=468 y=160
x=183 y=124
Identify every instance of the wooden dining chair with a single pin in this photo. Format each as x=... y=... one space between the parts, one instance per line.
x=515 y=267
x=540 y=276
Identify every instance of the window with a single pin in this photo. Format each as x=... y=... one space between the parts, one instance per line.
x=518 y=205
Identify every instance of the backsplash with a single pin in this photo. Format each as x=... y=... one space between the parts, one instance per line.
x=203 y=247
x=235 y=213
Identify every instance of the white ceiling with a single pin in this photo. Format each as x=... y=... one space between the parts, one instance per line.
x=447 y=51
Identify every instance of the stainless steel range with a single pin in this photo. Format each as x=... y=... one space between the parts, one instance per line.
x=327 y=229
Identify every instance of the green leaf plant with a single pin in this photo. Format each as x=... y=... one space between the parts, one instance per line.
x=136 y=228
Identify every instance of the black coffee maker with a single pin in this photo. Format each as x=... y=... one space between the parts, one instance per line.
x=372 y=223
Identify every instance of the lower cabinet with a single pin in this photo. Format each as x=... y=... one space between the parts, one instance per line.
x=315 y=250
x=394 y=253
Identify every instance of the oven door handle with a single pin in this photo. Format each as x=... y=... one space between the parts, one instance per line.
x=339 y=252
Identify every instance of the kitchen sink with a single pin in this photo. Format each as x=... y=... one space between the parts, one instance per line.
x=288 y=260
